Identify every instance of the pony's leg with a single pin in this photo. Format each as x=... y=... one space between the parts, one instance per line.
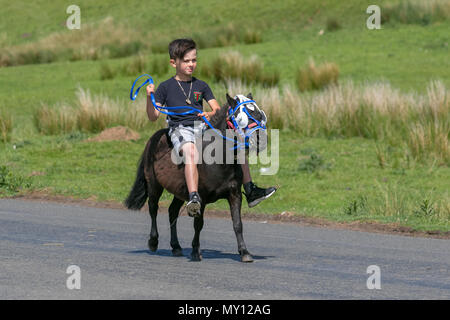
x=174 y=210
x=198 y=226
x=235 y=202
x=155 y=191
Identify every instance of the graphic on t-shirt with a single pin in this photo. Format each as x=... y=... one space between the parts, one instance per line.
x=198 y=96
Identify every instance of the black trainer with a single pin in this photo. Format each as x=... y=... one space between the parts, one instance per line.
x=194 y=205
x=255 y=194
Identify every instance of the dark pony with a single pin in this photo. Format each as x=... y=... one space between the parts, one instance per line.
x=156 y=172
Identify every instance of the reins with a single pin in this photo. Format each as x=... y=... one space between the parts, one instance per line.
x=133 y=96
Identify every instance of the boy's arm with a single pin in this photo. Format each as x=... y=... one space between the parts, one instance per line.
x=214 y=106
x=151 y=110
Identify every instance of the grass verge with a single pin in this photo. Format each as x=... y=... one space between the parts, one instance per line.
x=339 y=179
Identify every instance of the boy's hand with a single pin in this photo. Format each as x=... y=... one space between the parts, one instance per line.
x=150 y=89
x=207 y=115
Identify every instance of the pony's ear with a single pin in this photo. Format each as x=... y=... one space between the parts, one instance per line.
x=231 y=101
x=250 y=96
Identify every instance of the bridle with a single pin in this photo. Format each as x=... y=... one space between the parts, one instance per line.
x=238 y=118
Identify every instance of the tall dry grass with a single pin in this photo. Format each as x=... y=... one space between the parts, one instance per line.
x=233 y=65
x=139 y=64
x=56 y=120
x=215 y=37
x=6 y=126
x=227 y=35
x=109 y=39
x=105 y=39
x=314 y=77
x=91 y=114
x=430 y=133
x=416 y=11
x=420 y=124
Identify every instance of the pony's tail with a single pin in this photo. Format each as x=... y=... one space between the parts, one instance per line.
x=139 y=193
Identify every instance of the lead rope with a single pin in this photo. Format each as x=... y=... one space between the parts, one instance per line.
x=133 y=96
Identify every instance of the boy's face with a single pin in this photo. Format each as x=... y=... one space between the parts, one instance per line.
x=187 y=64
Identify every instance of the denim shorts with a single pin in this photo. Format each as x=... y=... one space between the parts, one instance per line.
x=185 y=134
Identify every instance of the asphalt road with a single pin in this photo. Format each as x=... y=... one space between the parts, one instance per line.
x=39 y=241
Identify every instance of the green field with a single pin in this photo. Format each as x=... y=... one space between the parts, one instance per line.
x=337 y=178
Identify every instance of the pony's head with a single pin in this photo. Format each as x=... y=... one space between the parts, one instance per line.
x=248 y=120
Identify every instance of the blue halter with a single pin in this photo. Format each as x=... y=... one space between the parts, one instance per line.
x=133 y=96
x=249 y=131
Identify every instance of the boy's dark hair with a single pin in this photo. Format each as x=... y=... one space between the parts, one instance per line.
x=179 y=47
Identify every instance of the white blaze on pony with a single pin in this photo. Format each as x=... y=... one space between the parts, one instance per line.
x=252 y=130
x=242 y=117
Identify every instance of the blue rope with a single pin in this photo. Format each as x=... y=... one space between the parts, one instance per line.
x=133 y=96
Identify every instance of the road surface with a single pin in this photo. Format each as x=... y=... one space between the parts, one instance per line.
x=39 y=241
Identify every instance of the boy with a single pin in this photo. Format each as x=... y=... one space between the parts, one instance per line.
x=185 y=90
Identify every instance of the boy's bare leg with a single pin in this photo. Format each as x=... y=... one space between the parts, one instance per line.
x=190 y=154
x=190 y=166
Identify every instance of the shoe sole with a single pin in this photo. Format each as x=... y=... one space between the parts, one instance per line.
x=193 y=209
x=256 y=201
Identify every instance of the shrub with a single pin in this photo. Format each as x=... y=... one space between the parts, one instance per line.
x=136 y=66
x=51 y=121
x=252 y=36
x=159 y=65
x=106 y=72
x=9 y=182
x=232 y=65
x=416 y=11
x=357 y=206
x=314 y=163
x=119 y=50
x=92 y=114
x=94 y=41
x=332 y=24
x=160 y=46
x=314 y=78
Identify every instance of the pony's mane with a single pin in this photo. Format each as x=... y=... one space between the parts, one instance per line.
x=219 y=117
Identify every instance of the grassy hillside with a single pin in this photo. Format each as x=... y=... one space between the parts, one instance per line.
x=162 y=18
x=352 y=177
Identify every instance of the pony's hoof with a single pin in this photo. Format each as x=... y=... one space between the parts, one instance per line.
x=246 y=258
x=196 y=257
x=177 y=252
x=153 y=245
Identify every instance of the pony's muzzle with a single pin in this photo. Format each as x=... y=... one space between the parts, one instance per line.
x=257 y=140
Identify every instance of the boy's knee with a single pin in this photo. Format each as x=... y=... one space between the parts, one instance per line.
x=190 y=153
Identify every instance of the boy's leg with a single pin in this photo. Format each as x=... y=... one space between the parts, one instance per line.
x=190 y=155
x=183 y=139
x=253 y=193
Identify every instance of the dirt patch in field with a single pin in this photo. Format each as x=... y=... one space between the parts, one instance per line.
x=284 y=217
x=116 y=134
